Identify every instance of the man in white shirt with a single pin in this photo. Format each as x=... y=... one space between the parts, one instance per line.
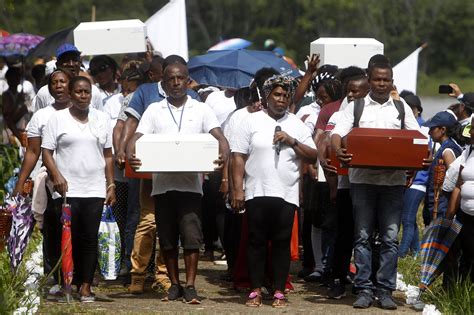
x=68 y=57
x=377 y=194
x=178 y=195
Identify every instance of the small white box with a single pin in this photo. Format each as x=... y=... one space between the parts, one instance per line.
x=110 y=37
x=346 y=51
x=177 y=152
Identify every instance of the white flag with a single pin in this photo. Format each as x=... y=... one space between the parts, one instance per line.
x=405 y=73
x=166 y=29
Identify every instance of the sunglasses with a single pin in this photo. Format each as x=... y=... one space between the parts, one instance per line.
x=98 y=70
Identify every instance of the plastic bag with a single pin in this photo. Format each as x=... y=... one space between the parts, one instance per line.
x=109 y=245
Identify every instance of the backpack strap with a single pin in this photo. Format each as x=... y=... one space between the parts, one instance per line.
x=401 y=112
x=358 y=109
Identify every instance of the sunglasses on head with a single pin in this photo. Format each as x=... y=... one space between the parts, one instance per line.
x=99 y=69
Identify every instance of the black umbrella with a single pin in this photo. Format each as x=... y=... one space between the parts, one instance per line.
x=49 y=45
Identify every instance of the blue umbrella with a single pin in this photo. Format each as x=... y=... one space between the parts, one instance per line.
x=235 y=68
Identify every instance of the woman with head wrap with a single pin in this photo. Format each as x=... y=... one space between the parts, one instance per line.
x=267 y=150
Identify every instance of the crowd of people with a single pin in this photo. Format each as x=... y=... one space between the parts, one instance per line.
x=280 y=143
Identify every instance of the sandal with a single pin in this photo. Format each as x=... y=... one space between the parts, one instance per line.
x=255 y=299
x=279 y=300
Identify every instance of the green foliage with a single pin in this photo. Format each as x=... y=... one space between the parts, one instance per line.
x=401 y=25
x=459 y=299
x=12 y=284
x=9 y=160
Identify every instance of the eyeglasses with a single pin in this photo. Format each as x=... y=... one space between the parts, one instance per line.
x=98 y=70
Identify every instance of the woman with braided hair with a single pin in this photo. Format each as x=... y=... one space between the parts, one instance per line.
x=266 y=152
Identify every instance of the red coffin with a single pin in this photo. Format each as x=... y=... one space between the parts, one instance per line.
x=387 y=148
x=341 y=170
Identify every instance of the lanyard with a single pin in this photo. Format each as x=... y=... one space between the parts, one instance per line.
x=174 y=119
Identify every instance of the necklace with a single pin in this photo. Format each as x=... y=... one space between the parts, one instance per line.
x=174 y=119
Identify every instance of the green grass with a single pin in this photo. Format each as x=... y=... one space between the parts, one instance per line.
x=12 y=287
x=457 y=300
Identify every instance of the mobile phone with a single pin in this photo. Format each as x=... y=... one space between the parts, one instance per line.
x=445 y=89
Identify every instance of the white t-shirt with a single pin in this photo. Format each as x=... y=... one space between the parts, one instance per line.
x=268 y=174
x=309 y=115
x=43 y=98
x=35 y=128
x=342 y=180
x=452 y=174
x=107 y=95
x=25 y=87
x=112 y=108
x=467 y=188
x=376 y=115
x=221 y=105
x=194 y=117
x=234 y=120
x=39 y=120
x=79 y=151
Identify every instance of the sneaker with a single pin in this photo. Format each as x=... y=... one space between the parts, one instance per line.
x=385 y=300
x=337 y=291
x=314 y=277
x=174 y=293
x=87 y=298
x=364 y=299
x=137 y=284
x=190 y=296
x=222 y=260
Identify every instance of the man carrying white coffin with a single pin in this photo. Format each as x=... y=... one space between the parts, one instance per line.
x=178 y=195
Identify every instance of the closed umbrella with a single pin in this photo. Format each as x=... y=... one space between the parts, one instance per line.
x=67 y=265
x=22 y=227
x=235 y=68
x=437 y=238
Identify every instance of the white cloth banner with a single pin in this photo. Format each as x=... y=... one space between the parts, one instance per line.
x=166 y=29
x=405 y=73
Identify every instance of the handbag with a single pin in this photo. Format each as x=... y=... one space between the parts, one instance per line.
x=109 y=245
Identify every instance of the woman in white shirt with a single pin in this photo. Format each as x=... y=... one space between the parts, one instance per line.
x=462 y=198
x=269 y=146
x=58 y=82
x=82 y=140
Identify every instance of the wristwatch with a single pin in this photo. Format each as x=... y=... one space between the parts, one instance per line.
x=294 y=143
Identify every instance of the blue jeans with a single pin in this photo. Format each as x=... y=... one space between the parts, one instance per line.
x=376 y=207
x=410 y=238
x=133 y=216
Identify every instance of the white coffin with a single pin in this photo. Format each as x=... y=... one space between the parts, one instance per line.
x=110 y=37
x=177 y=153
x=346 y=51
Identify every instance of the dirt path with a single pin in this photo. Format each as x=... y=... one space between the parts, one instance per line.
x=217 y=297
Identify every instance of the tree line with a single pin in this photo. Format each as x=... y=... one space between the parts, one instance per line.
x=402 y=25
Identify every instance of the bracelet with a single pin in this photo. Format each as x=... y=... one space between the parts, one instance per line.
x=111 y=185
x=225 y=180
